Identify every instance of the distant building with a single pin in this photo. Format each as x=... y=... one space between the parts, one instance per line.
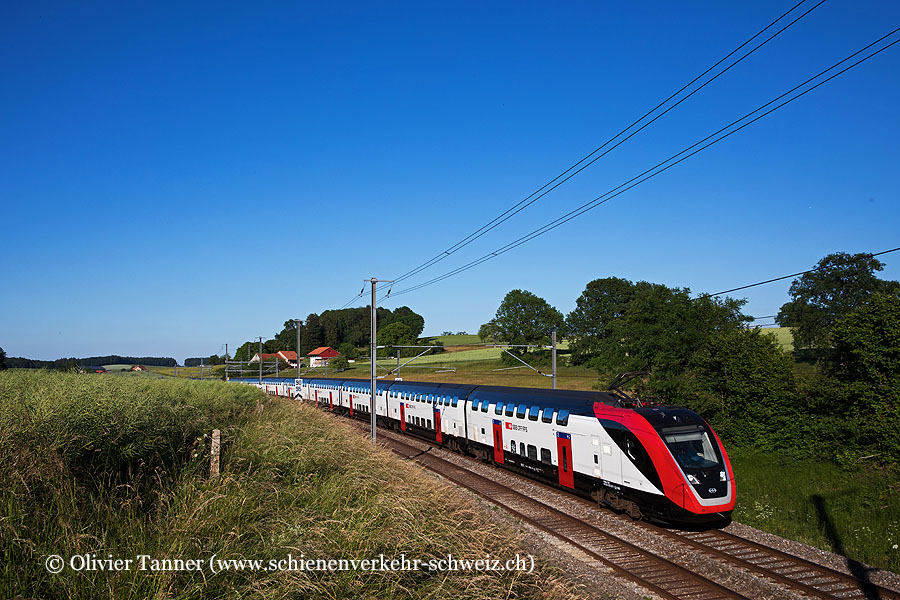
x=138 y=368
x=322 y=355
x=288 y=356
x=265 y=357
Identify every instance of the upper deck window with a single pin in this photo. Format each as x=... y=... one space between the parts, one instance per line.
x=533 y=413
x=520 y=411
x=562 y=417
x=547 y=417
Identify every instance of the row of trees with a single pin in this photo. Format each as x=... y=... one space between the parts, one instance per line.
x=14 y=362
x=215 y=359
x=346 y=330
x=843 y=399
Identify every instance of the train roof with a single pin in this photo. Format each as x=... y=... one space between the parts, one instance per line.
x=576 y=402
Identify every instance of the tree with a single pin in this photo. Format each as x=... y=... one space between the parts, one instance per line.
x=743 y=383
x=524 y=318
x=622 y=326
x=339 y=363
x=866 y=360
x=2 y=359
x=594 y=324
x=287 y=337
x=488 y=332
x=867 y=343
x=395 y=334
x=245 y=352
x=840 y=284
x=415 y=322
x=312 y=335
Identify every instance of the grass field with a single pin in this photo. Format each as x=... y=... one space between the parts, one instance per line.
x=854 y=512
x=451 y=340
x=785 y=338
x=117 y=466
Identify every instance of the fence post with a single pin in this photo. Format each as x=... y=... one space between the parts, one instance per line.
x=214 y=453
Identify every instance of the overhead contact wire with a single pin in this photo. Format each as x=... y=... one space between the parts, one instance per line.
x=569 y=173
x=635 y=181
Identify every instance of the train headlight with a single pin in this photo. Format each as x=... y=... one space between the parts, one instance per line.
x=721 y=475
x=693 y=479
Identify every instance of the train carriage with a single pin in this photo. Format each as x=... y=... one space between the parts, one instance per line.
x=661 y=462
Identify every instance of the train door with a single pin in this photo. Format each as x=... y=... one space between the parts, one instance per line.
x=564 y=455
x=437 y=424
x=351 y=405
x=317 y=398
x=611 y=462
x=331 y=400
x=498 y=441
x=402 y=416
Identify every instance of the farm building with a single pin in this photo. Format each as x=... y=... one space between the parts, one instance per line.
x=288 y=356
x=138 y=368
x=322 y=355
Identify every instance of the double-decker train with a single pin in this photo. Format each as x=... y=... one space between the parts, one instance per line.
x=655 y=461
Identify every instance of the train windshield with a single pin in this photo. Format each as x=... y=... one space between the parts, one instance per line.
x=691 y=446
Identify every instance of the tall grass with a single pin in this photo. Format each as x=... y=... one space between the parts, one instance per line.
x=852 y=510
x=116 y=466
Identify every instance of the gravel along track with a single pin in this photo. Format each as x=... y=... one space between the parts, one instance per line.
x=738 y=562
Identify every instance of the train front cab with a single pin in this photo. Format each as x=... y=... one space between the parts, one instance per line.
x=693 y=467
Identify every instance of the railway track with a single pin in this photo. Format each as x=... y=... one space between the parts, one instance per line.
x=811 y=579
x=666 y=578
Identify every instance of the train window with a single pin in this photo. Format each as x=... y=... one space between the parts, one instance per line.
x=455 y=400
x=475 y=404
x=532 y=452
x=509 y=409
x=545 y=456
x=596 y=460
x=562 y=417
x=484 y=405
x=547 y=416
x=512 y=446
x=533 y=413
x=520 y=411
x=565 y=462
x=482 y=431
x=428 y=424
x=498 y=409
x=522 y=448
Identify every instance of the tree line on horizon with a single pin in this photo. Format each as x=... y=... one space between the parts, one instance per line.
x=836 y=396
x=15 y=362
x=346 y=330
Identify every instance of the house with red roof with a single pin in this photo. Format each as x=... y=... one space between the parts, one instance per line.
x=288 y=356
x=322 y=355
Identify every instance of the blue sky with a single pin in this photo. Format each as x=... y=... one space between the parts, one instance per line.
x=175 y=177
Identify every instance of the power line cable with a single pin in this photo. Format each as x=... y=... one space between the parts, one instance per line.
x=574 y=169
x=744 y=287
x=649 y=173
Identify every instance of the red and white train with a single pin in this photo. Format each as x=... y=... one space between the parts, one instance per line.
x=660 y=462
